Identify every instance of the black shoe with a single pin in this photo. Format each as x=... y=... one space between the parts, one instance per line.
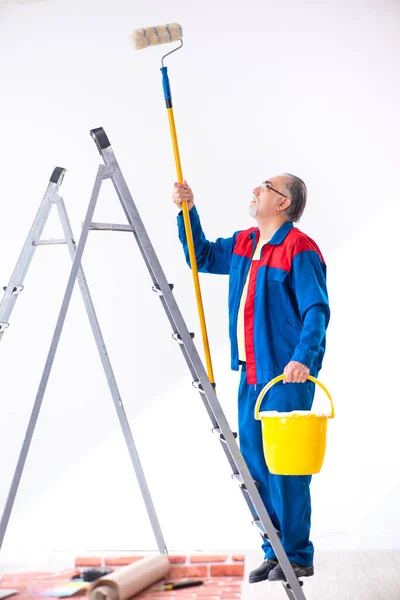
x=261 y=573
x=277 y=574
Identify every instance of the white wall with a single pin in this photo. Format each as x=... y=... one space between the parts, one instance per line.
x=260 y=88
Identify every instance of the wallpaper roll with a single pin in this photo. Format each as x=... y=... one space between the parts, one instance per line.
x=130 y=580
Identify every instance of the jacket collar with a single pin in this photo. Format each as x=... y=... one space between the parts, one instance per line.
x=278 y=236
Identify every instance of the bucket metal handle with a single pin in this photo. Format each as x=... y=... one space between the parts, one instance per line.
x=280 y=378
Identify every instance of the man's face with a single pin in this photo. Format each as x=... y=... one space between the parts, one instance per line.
x=266 y=201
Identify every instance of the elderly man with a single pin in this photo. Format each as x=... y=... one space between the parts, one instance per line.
x=278 y=315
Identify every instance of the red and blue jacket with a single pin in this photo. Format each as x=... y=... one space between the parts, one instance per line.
x=287 y=307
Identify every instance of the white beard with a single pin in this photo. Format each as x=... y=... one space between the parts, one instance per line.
x=253 y=208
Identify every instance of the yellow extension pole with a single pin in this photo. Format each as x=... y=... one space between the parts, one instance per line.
x=192 y=254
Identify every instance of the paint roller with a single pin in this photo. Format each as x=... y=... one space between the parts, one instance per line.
x=127 y=581
x=154 y=36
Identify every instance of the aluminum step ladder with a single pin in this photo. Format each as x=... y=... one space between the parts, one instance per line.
x=240 y=472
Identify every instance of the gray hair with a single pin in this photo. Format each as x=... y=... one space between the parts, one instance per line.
x=296 y=189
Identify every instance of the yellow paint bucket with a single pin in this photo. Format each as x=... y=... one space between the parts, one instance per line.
x=294 y=442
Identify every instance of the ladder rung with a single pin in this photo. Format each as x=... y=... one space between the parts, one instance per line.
x=110 y=227
x=178 y=338
x=156 y=288
x=239 y=479
x=197 y=384
x=257 y=523
x=49 y=242
x=17 y=289
x=3 y=326
x=221 y=436
x=287 y=585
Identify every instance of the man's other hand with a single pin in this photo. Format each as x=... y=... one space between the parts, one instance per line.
x=296 y=372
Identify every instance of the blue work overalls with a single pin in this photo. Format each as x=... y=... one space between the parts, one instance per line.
x=286 y=316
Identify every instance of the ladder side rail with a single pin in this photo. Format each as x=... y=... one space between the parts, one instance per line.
x=19 y=273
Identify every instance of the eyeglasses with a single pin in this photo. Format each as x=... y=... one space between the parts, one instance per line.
x=267 y=186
